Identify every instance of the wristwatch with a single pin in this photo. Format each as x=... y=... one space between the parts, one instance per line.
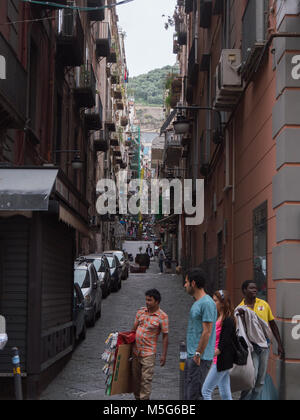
x=198 y=354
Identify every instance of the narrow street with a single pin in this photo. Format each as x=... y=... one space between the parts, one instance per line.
x=82 y=378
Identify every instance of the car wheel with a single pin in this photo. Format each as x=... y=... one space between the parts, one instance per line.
x=93 y=320
x=83 y=333
x=99 y=312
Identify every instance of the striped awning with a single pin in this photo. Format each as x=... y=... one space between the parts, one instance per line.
x=168 y=121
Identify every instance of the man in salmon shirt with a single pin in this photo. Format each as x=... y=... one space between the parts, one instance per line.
x=150 y=321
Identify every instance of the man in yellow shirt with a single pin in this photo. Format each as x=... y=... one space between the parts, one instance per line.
x=260 y=356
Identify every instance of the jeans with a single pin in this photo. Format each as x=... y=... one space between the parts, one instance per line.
x=260 y=361
x=194 y=377
x=161 y=265
x=216 y=379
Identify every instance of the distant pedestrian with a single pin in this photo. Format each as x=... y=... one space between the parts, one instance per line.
x=261 y=347
x=219 y=375
x=161 y=259
x=149 y=250
x=150 y=321
x=201 y=335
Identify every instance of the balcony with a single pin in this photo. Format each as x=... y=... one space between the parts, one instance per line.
x=117 y=93
x=114 y=139
x=182 y=34
x=124 y=121
x=96 y=15
x=112 y=58
x=85 y=90
x=110 y=121
x=100 y=142
x=115 y=79
x=103 y=40
x=117 y=152
x=119 y=105
x=173 y=149
x=93 y=116
x=70 y=38
x=13 y=81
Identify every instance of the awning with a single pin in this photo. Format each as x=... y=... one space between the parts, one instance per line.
x=167 y=219
x=168 y=121
x=67 y=217
x=26 y=189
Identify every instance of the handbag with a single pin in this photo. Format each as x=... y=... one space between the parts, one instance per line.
x=242 y=378
x=240 y=348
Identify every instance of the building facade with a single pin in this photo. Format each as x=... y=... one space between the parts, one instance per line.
x=239 y=62
x=60 y=69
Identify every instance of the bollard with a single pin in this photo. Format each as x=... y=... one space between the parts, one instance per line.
x=17 y=374
x=183 y=357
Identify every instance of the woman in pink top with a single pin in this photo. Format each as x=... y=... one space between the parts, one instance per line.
x=219 y=376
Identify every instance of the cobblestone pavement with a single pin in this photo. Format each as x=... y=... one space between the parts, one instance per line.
x=82 y=377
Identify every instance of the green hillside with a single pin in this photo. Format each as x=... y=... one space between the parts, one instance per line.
x=148 y=89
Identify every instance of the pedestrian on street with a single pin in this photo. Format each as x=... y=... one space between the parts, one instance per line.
x=201 y=335
x=150 y=321
x=219 y=374
x=261 y=352
x=161 y=258
x=149 y=250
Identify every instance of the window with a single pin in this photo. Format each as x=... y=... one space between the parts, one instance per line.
x=260 y=220
x=82 y=277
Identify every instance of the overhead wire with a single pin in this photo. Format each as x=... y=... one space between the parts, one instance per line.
x=58 y=5
x=75 y=7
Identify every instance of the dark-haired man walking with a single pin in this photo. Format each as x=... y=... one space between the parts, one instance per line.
x=150 y=321
x=201 y=335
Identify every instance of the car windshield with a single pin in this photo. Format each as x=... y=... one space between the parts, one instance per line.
x=98 y=263
x=82 y=278
x=111 y=262
x=120 y=256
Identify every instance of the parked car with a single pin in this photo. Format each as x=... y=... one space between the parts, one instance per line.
x=86 y=276
x=124 y=261
x=103 y=271
x=79 y=314
x=115 y=271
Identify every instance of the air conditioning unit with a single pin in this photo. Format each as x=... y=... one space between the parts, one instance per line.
x=229 y=83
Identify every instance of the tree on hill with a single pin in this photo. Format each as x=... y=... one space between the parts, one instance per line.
x=149 y=89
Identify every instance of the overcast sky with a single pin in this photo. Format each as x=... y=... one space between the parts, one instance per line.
x=148 y=45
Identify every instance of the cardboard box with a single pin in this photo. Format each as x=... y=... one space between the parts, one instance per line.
x=122 y=377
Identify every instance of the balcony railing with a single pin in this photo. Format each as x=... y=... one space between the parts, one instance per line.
x=96 y=15
x=103 y=40
x=93 y=116
x=70 y=38
x=85 y=90
x=46 y=4
x=100 y=141
x=114 y=139
x=13 y=79
x=173 y=149
x=110 y=120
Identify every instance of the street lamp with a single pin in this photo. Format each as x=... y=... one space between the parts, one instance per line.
x=76 y=162
x=182 y=125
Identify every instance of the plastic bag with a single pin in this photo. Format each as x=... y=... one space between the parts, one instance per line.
x=269 y=392
x=242 y=378
x=3 y=341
